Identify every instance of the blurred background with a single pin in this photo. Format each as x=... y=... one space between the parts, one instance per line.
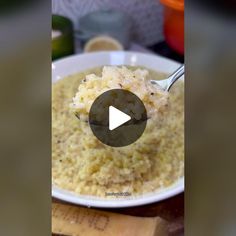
x=146 y=15
x=25 y=117
x=148 y=26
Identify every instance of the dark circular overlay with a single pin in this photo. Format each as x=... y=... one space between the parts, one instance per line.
x=126 y=102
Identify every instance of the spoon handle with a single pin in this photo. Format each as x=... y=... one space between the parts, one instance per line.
x=175 y=76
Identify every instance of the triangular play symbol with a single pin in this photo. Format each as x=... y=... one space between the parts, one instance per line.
x=117 y=118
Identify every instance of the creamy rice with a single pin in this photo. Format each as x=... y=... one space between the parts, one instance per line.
x=82 y=164
x=153 y=97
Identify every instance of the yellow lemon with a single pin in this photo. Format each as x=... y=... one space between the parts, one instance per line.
x=103 y=43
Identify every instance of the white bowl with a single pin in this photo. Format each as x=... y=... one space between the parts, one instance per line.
x=77 y=63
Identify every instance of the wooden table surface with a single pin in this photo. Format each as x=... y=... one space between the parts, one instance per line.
x=171 y=210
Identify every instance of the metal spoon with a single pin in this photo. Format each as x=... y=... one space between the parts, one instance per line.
x=166 y=84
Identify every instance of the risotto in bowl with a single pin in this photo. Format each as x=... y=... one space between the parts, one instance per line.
x=88 y=172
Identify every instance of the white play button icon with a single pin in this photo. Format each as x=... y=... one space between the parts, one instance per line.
x=113 y=121
x=117 y=118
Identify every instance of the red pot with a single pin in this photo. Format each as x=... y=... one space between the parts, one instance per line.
x=174 y=24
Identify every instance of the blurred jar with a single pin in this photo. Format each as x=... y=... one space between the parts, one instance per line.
x=105 y=22
x=62 y=37
x=174 y=24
